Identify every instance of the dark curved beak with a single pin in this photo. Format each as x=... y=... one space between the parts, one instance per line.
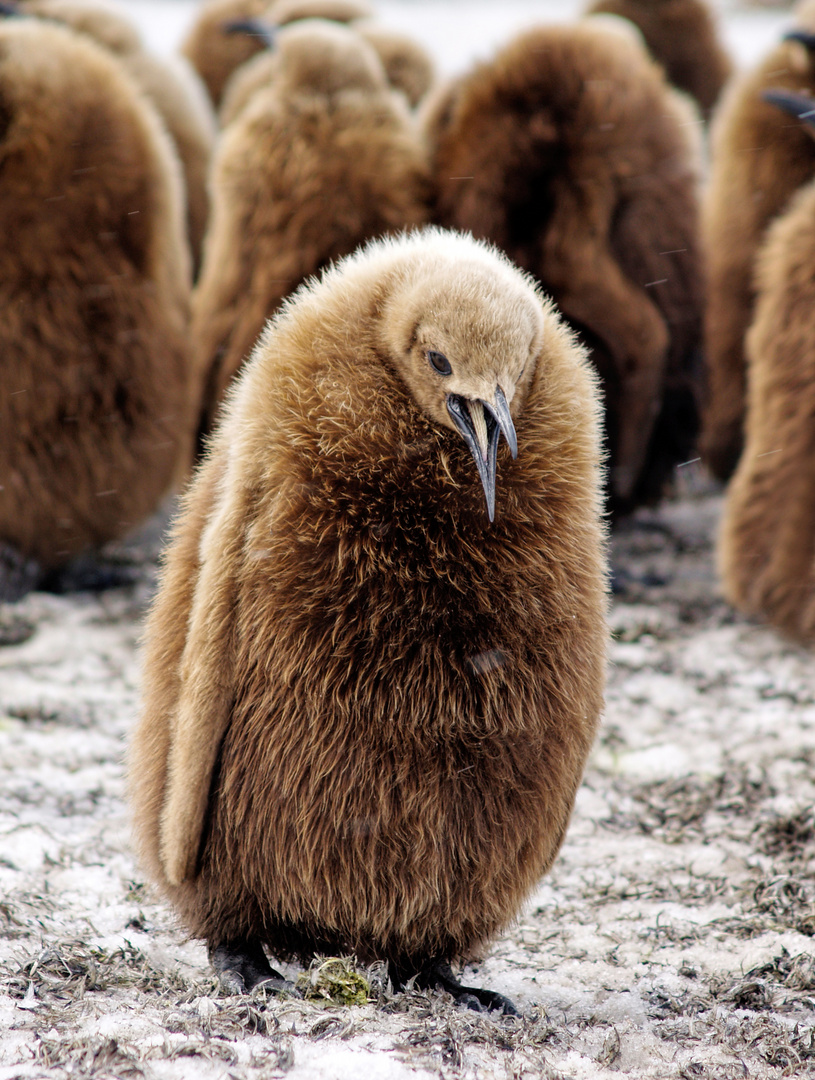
x=481 y=426
x=804 y=36
x=797 y=105
x=252 y=28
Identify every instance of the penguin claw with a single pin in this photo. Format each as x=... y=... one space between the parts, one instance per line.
x=231 y=982
x=439 y=975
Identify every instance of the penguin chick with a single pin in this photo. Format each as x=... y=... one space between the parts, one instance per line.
x=407 y=64
x=95 y=411
x=172 y=88
x=570 y=153
x=759 y=159
x=216 y=47
x=767 y=539
x=283 y=12
x=408 y=68
x=682 y=36
x=102 y=22
x=367 y=709
x=323 y=159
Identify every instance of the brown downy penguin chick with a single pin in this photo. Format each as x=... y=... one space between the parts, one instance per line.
x=407 y=66
x=759 y=159
x=570 y=152
x=95 y=410
x=222 y=37
x=323 y=159
x=767 y=540
x=682 y=36
x=367 y=706
x=173 y=88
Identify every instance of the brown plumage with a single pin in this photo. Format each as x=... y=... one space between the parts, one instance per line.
x=323 y=159
x=95 y=416
x=683 y=37
x=408 y=68
x=760 y=157
x=767 y=541
x=172 y=88
x=367 y=709
x=407 y=64
x=216 y=51
x=570 y=153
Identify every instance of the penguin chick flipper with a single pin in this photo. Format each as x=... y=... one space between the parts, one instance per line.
x=242 y=965
x=203 y=709
x=438 y=975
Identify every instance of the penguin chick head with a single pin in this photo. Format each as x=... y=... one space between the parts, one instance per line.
x=464 y=327
x=325 y=58
x=341 y=11
x=96 y=19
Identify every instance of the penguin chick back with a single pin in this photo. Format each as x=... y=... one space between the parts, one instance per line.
x=367 y=709
x=216 y=51
x=569 y=151
x=760 y=157
x=96 y=420
x=170 y=85
x=321 y=160
x=683 y=37
x=766 y=547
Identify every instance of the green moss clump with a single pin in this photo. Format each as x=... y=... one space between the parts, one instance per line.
x=334 y=979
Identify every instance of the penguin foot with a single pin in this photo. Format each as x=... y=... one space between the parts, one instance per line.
x=242 y=965
x=89 y=573
x=18 y=575
x=438 y=975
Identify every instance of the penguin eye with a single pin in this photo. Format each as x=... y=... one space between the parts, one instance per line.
x=440 y=362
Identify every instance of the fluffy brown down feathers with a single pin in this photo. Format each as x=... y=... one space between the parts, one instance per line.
x=767 y=542
x=407 y=67
x=760 y=157
x=366 y=709
x=172 y=88
x=216 y=53
x=682 y=36
x=323 y=159
x=569 y=152
x=96 y=409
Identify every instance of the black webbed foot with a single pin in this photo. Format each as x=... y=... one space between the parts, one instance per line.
x=18 y=575
x=439 y=975
x=89 y=573
x=242 y=965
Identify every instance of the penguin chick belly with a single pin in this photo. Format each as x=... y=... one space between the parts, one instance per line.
x=378 y=790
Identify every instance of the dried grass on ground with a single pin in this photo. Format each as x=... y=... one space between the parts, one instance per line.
x=674 y=937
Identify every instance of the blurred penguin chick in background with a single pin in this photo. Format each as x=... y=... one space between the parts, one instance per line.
x=223 y=37
x=96 y=403
x=408 y=67
x=323 y=159
x=682 y=36
x=767 y=540
x=760 y=157
x=170 y=85
x=569 y=151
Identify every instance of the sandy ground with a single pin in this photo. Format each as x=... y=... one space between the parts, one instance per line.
x=673 y=938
